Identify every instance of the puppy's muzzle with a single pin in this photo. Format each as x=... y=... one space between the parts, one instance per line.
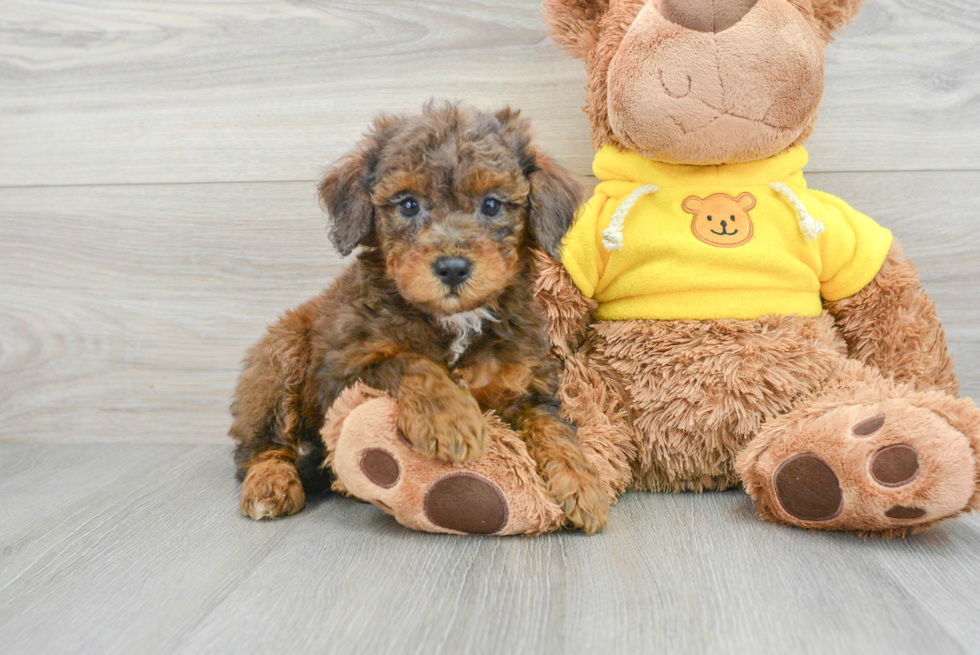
x=452 y=271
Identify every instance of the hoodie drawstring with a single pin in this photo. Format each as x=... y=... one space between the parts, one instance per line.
x=809 y=226
x=612 y=236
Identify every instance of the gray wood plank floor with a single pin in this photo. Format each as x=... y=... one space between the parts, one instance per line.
x=157 y=170
x=148 y=553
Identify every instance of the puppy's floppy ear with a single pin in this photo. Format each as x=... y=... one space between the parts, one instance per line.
x=555 y=192
x=345 y=192
x=555 y=196
x=574 y=24
x=831 y=15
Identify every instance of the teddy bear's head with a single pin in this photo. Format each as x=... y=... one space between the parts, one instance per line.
x=700 y=81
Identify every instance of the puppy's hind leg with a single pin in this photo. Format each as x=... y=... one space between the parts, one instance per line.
x=267 y=422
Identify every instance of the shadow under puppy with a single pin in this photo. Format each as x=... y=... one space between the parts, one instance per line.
x=437 y=311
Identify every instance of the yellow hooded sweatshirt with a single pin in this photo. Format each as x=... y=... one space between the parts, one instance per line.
x=736 y=241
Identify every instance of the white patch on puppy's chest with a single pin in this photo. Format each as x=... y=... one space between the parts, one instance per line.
x=464 y=326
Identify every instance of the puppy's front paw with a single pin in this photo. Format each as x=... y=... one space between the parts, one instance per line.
x=447 y=425
x=272 y=489
x=576 y=488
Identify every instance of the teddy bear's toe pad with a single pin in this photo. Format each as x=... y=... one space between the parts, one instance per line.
x=380 y=467
x=868 y=426
x=903 y=512
x=880 y=468
x=893 y=466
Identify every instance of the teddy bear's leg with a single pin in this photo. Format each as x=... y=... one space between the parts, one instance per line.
x=500 y=493
x=867 y=455
x=594 y=401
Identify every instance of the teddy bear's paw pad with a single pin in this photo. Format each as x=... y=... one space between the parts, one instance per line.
x=465 y=502
x=881 y=468
x=808 y=489
x=903 y=512
x=868 y=427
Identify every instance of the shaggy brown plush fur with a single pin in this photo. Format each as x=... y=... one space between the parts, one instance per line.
x=568 y=311
x=415 y=194
x=707 y=387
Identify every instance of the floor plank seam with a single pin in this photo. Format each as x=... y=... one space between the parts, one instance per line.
x=93 y=185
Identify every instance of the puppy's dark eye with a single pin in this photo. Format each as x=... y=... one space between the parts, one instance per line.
x=491 y=207
x=409 y=207
x=709 y=218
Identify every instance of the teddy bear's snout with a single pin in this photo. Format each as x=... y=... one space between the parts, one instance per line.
x=705 y=15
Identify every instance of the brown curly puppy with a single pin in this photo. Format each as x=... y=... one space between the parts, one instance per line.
x=438 y=310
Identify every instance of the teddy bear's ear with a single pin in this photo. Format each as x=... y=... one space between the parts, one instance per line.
x=832 y=15
x=746 y=201
x=574 y=24
x=692 y=204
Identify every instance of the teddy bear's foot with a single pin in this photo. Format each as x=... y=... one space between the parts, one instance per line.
x=888 y=468
x=500 y=493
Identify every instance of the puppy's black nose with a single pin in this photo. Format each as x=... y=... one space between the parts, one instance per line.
x=452 y=271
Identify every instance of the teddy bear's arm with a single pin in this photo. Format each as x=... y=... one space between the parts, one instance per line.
x=567 y=309
x=892 y=325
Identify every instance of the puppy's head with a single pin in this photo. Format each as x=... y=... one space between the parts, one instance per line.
x=453 y=197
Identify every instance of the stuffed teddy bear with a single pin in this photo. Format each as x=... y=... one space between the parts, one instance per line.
x=746 y=330
x=720 y=323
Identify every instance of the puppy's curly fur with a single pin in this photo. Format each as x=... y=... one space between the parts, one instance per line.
x=438 y=310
